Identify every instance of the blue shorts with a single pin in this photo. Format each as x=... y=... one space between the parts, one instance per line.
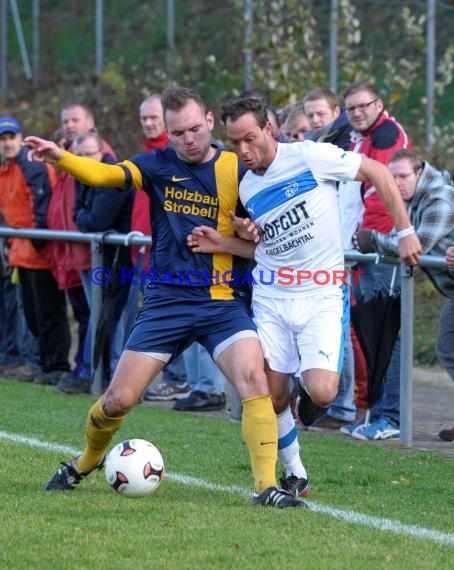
x=168 y=324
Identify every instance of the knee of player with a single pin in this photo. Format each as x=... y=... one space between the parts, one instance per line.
x=115 y=406
x=280 y=401
x=323 y=395
x=254 y=381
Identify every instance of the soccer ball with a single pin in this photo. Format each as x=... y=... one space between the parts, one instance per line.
x=134 y=468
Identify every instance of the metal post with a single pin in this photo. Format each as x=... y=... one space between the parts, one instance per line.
x=171 y=40
x=248 y=10
x=4 y=44
x=20 y=39
x=430 y=73
x=35 y=40
x=406 y=355
x=96 y=304
x=333 y=28
x=99 y=40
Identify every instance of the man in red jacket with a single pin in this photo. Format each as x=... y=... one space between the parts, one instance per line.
x=69 y=258
x=152 y=121
x=25 y=191
x=376 y=134
x=154 y=136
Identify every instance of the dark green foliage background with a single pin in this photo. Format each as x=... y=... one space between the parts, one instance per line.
x=290 y=53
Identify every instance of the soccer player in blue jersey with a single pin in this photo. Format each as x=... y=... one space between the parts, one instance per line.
x=189 y=298
x=299 y=288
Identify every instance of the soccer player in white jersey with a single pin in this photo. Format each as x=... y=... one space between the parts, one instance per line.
x=300 y=300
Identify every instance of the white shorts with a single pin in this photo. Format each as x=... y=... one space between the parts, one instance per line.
x=301 y=334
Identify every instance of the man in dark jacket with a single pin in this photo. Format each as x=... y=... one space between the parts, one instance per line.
x=327 y=120
x=100 y=210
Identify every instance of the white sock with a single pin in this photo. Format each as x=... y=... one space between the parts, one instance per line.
x=288 y=446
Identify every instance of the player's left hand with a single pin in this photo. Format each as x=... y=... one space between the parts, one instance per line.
x=410 y=249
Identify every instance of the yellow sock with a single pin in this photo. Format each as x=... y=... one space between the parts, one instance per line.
x=260 y=434
x=100 y=430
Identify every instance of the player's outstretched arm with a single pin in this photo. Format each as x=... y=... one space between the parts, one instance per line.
x=87 y=170
x=204 y=239
x=385 y=185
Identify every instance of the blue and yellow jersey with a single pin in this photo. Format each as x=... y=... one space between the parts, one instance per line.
x=183 y=196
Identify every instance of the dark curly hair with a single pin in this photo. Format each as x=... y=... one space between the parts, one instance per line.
x=236 y=108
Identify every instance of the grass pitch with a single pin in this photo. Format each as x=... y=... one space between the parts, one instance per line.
x=371 y=507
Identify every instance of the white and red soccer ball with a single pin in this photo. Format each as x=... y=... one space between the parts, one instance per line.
x=134 y=468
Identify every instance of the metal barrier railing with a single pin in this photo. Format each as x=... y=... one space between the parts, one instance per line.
x=98 y=239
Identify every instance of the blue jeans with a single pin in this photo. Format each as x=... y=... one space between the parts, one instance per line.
x=343 y=406
x=17 y=344
x=377 y=277
x=445 y=338
x=175 y=371
x=117 y=333
x=81 y=314
x=203 y=374
x=196 y=367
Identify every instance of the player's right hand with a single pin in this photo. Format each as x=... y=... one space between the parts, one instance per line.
x=204 y=239
x=42 y=150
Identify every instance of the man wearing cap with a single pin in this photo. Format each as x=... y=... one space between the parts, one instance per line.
x=25 y=190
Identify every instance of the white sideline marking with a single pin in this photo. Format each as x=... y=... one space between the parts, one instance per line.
x=350 y=517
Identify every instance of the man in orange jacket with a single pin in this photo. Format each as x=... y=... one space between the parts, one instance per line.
x=25 y=191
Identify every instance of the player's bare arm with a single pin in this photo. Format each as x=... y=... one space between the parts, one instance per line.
x=385 y=185
x=87 y=170
x=204 y=239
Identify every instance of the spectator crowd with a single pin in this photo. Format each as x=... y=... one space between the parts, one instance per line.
x=45 y=286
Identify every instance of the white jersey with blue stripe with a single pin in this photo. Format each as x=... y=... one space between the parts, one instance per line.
x=295 y=207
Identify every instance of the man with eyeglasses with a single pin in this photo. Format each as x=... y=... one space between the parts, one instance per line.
x=429 y=194
x=296 y=124
x=69 y=258
x=99 y=210
x=376 y=134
